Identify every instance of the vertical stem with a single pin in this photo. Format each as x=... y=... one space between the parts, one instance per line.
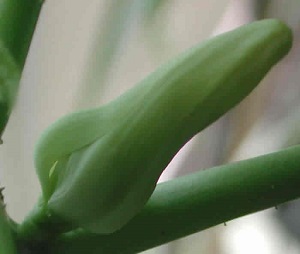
x=7 y=241
x=18 y=20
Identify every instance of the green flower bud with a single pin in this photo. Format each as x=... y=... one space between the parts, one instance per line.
x=106 y=162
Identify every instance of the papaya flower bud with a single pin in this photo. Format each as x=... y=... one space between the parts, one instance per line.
x=99 y=167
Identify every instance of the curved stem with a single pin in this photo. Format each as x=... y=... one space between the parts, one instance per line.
x=198 y=201
x=40 y=226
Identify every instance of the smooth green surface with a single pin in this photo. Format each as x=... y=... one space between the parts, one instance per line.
x=10 y=75
x=39 y=225
x=18 y=19
x=198 y=201
x=107 y=161
x=39 y=230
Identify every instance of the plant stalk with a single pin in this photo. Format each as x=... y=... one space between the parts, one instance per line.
x=18 y=21
x=196 y=202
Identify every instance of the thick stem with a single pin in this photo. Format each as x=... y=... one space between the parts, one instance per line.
x=40 y=227
x=7 y=240
x=18 y=20
x=198 y=201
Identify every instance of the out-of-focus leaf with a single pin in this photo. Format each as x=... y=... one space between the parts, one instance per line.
x=105 y=44
x=260 y=7
x=171 y=26
x=9 y=79
x=18 y=20
x=288 y=213
x=151 y=7
x=287 y=11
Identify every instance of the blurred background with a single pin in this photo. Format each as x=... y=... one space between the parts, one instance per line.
x=85 y=53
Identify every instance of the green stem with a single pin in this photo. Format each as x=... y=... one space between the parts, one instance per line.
x=40 y=227
x=198 y=201
x=7 y=240
x=18 y=20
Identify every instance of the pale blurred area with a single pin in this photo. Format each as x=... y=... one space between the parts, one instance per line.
x=85 y=53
